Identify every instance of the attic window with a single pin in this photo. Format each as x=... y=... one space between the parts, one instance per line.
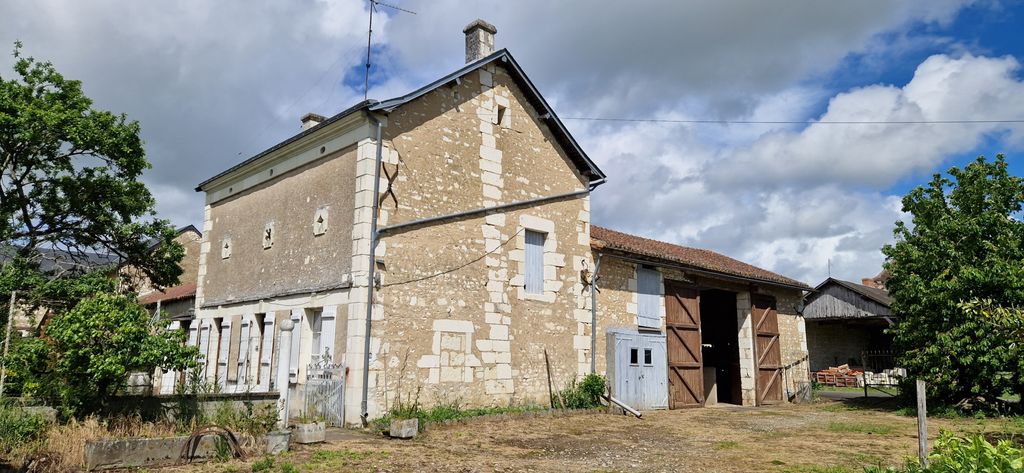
x=268 y=236
x=225 y=248
x=502 y=112
x=320 y=221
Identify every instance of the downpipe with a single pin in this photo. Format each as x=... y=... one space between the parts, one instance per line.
x=371 y=280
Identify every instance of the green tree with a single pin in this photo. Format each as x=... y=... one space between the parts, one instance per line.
x=69 y=177
x=965 y=243
x=88 y=352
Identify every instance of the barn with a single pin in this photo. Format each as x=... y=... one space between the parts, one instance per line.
x=688 y=327
x=846 y=324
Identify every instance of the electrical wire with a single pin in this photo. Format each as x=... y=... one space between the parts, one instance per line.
x=794 y=122
x=456 y=268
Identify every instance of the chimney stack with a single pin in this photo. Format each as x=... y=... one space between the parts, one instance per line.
x=311 y=120
x=479 y=39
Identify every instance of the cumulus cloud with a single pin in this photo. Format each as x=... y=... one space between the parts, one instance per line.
x=215 y=82
x=943 y=88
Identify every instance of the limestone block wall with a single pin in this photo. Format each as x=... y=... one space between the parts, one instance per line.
x=792 y=340
x=455 y=321
x=832 y=343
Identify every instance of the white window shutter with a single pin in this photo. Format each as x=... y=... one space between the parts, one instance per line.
x=648 y=288
x=265 y=374
x=225 y=347
x=328 y=322
x=243 y=351
x=204 y=346
x=168 y=377
x=293 y=363
x=534 y=262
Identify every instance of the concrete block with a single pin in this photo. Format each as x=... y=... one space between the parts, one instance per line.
x=404 y=428
x=314 y=432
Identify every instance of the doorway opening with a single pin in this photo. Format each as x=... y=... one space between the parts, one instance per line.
x=720 y=347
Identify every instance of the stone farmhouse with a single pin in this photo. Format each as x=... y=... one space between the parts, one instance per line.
x=439 y=245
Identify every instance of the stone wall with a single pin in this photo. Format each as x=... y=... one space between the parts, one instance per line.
x=456 y=322
x=833 y=343
x=239 y=264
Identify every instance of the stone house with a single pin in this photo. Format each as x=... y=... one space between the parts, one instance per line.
x=461 y=211
x=845 y=320
x=175 y=304
x=727 y=331
x=482 y=221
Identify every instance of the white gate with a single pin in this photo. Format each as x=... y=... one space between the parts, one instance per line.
x=324 y=393
x=638 y=368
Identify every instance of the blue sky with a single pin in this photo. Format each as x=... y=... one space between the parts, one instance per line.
x=215 y=82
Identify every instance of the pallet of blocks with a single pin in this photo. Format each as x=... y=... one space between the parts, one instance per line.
x=840 y=376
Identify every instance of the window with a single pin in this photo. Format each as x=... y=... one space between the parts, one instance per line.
x=501 y=116
x=634 y=356
x=648 y=358
x=648 y=297
x=320 y=221
x=225 y=248
x=316 y=322
x=534 y=262
x=268 y=236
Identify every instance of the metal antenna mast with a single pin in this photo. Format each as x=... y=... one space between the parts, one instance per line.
x=369 y=38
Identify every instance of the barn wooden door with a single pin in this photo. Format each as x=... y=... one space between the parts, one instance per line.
x=682 y=325
x=767 y=354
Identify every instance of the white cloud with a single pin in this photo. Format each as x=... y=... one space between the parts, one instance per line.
x=943 y=88
x=214 y=82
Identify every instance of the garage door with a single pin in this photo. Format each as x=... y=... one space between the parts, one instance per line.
x=682 y=325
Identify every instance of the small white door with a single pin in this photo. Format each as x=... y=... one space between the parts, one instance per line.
x=640 y=371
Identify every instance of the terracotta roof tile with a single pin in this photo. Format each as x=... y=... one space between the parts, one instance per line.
x=706 y=260
x=170 y=294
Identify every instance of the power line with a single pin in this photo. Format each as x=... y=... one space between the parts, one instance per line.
x=794 y=122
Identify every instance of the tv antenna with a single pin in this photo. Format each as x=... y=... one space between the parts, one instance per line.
x=369 y=37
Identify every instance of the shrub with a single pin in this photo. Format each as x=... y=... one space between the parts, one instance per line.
x=954 y=454
x=585 y=394
x=19 y=429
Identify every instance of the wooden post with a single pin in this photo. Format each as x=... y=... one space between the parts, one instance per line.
x=551 y=394
x=7 y=342
x=922 y=423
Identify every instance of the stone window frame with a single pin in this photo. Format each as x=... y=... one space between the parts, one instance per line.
x=269 y=232
x=320 y=227
x=552 y=259
x=225 y=247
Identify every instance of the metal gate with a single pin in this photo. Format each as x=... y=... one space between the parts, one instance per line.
x=324 y=393
x=637 y=368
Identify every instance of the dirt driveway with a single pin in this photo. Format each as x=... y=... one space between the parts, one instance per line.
x=789 y=438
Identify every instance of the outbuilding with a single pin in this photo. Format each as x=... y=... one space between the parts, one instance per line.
x=729 y=332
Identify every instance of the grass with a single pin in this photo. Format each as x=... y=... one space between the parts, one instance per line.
x=860 y=428
x=450 y=411
x=331 y=460
x=726 y=445
x=820 y=469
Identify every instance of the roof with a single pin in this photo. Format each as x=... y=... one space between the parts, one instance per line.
x=183 y=291
x=153 y=242
x=880 y=296
x=304 y=133
x=583 y=163
x=54 y=261
x=696 y=258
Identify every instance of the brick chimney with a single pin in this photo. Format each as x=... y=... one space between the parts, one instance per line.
x=311 y=120
x=479 y=39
